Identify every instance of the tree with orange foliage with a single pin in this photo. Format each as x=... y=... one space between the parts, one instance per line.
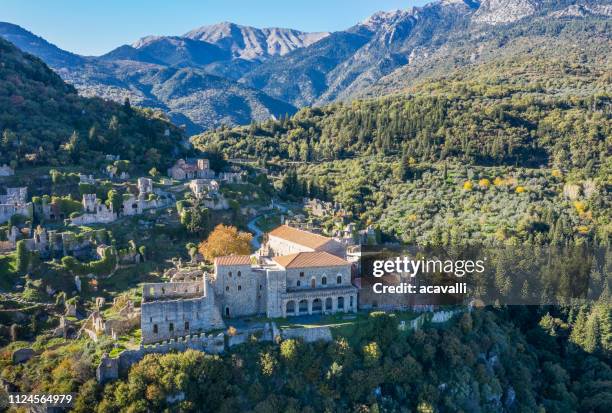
x=225 y=240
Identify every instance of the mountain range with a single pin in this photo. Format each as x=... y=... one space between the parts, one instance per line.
x=227 y=74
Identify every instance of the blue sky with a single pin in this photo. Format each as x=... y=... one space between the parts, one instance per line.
x=93 y=27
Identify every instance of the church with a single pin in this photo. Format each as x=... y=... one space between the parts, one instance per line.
x=295 y=272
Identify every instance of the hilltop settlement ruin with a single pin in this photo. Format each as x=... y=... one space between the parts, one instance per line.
x=294 y=270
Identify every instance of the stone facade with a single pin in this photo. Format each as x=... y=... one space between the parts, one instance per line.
x=171 y=310
x=182 y=170
x=322 y=286
x=231 y=177
x=145 y=185
x=94 y=212
x=199 y=187
x=87 y=179
x=15 y=196
x=239 y=288
x=8 y=210
x=15 y=203
x=97 y=212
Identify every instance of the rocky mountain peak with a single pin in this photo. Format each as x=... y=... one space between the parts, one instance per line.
x=504 y=11
x=251 y=43
x=384 y=19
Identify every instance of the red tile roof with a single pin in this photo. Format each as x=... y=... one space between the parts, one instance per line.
x=233 y=260
x=310 y=259
x=301 y=237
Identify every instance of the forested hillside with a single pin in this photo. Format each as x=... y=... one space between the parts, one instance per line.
x=474 y=123
x=43 y=121
x=518 y=359
x=502 y=152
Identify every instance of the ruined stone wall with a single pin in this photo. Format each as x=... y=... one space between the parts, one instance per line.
x=110 y=368
x=308 y=335
x=169 y=317
x=8 y=210
x=187 y=289
x=120 y=326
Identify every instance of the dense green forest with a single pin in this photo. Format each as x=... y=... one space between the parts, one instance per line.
x=476 y=124
x=521 y=359
x=43 y=121
x=498 y=152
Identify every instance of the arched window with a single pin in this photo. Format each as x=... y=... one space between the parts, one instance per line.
x=227 y=313
x=339 y=279
x=239 y=287
x=313 y=283
x=298 y=283
x=229 y=274
x=239 y=273
x=227 y=288
x=154 y=328
x=290 y=307
x=324 y=280
x=186 y=325
x=171 y=327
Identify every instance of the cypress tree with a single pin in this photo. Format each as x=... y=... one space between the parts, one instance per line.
x=577 y=335
x=23 y=257
x=592 y=334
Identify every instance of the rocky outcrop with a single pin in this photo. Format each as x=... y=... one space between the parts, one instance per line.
x=504 y=11
x=583 y=10
x=250 y=43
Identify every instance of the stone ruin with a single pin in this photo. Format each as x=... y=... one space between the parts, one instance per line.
x=178 y=274
x=15 y=203
x=87 y=179
x=126 y=319
x=53 y=244
x=94 y=211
